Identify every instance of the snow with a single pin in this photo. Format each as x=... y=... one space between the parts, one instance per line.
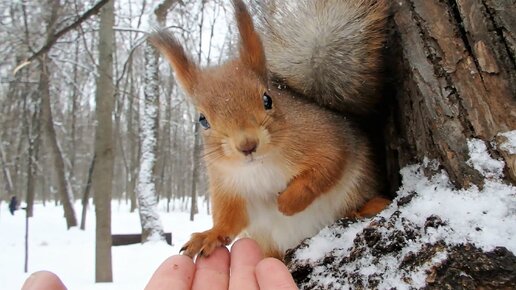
x=482 y=162
x=71 y=254
x=510 y=144
x=484 y=217
x=325 y=242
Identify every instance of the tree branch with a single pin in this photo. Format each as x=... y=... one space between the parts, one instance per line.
x=53 y=39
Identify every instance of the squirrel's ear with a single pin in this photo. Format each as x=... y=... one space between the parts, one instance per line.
x=251 y=48
x=186 y=70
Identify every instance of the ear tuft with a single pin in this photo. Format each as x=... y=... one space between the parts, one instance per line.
x=186 y=70
x=251 y=48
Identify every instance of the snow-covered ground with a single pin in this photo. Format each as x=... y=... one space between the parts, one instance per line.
x=71 y=253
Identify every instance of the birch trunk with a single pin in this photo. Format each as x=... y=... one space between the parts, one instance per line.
x=146 y=184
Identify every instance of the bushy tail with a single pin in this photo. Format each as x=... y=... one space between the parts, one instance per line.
x=327 y=50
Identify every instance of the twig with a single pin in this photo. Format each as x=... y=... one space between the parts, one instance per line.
x=53 y=39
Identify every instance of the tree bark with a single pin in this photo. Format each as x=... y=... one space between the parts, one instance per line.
x=194 y=209
x=63 y=187
x=86 y=194
x=146 y=184
x=56 y=152
x=146 y=187
x=6 y=172
x=456 y=80
x=33 y=158
x=103 y=169
x=133 y=145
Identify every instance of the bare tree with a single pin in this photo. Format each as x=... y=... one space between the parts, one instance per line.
x=103 y=169
x=146 y=187
x=63 y=186
x=65 y=48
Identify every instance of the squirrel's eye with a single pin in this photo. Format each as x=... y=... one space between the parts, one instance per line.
x=267 y=101
x=204 y=122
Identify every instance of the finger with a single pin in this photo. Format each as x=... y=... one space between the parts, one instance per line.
x=43 y=280
x=176 y=273
x=212 y=272
x=272 y=274
x=245 y=255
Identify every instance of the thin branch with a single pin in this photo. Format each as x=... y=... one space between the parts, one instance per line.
x=53 y=39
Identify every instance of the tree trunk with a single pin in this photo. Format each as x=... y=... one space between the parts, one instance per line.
x=6 y=172
x=86 y=194
x=103 y=169
x=133 y=144
x=195 y=171
x=63 y=188
x=33 y=157
x=197 y=142
x=455 y=62
x=146 y=186
x=56 y=152
x=74 y=111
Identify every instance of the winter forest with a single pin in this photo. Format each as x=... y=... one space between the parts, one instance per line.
x=88 y=107
x=97 y=139
x=48 y=105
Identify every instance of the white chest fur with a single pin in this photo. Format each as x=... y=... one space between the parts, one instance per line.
x=260 y=182
x=261 y=179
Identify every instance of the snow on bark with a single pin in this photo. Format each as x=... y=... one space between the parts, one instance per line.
x=509 y=144
x=482 y=162
x=152 y=228
x=428 y=232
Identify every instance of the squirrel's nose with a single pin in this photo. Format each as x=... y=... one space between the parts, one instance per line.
x=248 y=146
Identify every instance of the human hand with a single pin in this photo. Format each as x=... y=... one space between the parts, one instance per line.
x=248 y=271
x=245 y=263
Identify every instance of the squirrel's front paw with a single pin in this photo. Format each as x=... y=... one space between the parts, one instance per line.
x=205 y=243
x=295 y=199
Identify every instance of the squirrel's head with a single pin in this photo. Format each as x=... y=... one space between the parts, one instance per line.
x=235 y=108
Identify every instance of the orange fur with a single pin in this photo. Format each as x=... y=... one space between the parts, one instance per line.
x=319 y=176
x=251 y=48
x=229 y=219
x=372 y=207
x=186 y=70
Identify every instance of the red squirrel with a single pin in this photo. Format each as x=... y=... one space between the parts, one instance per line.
x=281 y=166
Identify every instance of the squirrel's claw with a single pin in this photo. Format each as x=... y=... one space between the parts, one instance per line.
x=204 y=243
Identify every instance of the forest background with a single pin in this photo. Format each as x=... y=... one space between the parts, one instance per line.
x=89 y=113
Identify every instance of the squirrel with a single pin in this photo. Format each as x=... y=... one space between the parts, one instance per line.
x=281 y=164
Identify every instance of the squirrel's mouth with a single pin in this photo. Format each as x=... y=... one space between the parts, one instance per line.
x=253 y=158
